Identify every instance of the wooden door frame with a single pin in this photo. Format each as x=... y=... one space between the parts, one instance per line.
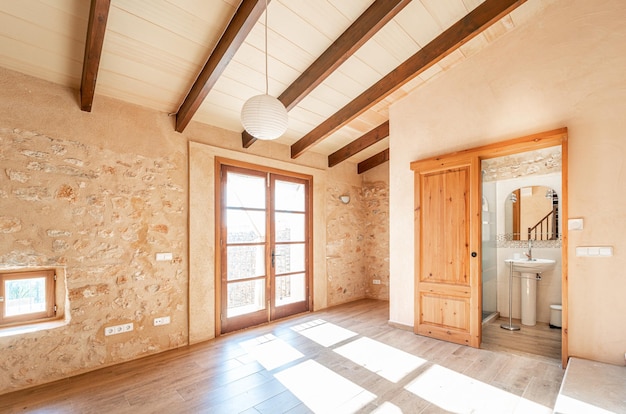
x=552 y=138
x=219 y=163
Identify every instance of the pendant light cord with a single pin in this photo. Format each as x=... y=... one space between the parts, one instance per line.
x=266 y=72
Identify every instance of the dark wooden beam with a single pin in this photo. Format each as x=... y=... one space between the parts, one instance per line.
x=98 y=15
x=370 y=138
x=355 y=36
x=459 y=33
x=373 y=161
x=241 y=24
x=247 y=139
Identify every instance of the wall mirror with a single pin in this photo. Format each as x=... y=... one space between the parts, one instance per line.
x=532 y=213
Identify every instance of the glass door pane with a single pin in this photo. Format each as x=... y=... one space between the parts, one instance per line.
x=245 y=247
x=290 y=249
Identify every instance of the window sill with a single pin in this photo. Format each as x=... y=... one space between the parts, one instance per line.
x=32 y=327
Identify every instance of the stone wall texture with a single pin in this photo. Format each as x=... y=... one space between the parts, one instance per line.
x=99 y=194
x=357 y=238
x=104 y=216
x=375 y=197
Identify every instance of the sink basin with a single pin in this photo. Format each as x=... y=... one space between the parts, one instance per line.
x=531 y=266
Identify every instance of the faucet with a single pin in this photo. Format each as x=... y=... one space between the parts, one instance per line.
x=529 y=254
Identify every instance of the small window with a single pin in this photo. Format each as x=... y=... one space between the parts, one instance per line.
x=26 y=296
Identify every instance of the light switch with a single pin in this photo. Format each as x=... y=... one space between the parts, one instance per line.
x=594 y=251
x=606 y=251
x=163 y=257
x=575 y=224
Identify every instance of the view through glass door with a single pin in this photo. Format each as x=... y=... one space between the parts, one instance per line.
x=265 y=228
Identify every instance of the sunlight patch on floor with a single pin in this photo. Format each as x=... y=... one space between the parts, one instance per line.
x=384 y=360
x=458 y=393
x=387 y=408
x=322 y=390
x=567 y=404
x=324 y=333
x=270 y=351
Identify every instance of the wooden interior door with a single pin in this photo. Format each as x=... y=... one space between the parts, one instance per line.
x=264 y=246
x=447 y=280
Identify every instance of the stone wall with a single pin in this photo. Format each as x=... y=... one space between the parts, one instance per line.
x=99 y=194
x=376 y=234
x=345 y=253
x=104 y=216
x=357 y=237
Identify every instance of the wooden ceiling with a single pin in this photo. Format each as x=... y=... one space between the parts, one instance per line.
x=337 y=65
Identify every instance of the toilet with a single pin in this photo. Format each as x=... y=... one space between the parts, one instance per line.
x=555 y=316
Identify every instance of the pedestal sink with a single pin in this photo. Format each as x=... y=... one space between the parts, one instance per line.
x=529 y=269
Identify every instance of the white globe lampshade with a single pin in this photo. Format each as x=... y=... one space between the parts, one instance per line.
x=264 y=117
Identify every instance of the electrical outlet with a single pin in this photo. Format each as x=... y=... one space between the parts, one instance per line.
x=163 y=257
x=118 y=329
x=376 y=281
x=161 y=321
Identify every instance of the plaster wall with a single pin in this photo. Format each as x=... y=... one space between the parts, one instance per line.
x=562 y=67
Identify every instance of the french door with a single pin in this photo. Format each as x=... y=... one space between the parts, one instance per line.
x=264 y=246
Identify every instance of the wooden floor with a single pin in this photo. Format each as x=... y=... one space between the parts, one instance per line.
x=346 y=359
x=538 y=340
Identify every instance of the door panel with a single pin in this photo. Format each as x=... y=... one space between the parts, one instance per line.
x=265 y=240
x=244 y=249
x=447 y=281
x=290 y=246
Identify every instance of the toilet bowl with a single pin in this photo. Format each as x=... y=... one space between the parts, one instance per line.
x=555 y=316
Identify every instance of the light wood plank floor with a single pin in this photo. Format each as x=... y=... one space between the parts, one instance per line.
x=345 y=359
x=540 y=340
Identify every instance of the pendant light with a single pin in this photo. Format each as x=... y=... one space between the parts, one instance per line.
x=263 y=116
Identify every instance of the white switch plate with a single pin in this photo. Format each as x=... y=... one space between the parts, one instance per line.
x=163 y=257
x=575 y=224
x=376 y=281
x=594 y=251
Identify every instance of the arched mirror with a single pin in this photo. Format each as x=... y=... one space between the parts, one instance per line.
x=532 y=213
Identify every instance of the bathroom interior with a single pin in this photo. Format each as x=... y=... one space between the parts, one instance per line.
x=521 y=306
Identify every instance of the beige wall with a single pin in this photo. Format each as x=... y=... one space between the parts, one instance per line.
x=563 y=67
x=98 y=194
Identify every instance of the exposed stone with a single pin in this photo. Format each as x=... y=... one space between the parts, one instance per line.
x=19 y=176
x=60 y=245
x=66 y=192
x=32 y=193
x=35 y=154
x=10 y=224
x=74 y=161
x=58 y=233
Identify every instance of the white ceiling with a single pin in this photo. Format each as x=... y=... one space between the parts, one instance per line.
x=154 y=49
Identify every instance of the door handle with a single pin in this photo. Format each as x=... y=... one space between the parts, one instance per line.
x=474 y=254
x=274 y=256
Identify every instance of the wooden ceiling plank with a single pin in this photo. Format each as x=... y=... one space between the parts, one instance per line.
x=367 y=25
x=98 y=15
x=462 y=31
x=373 y=161
x=377 y=134
x=241 y=24
x=359 y=32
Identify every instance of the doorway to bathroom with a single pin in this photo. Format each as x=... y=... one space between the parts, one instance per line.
x=448 y=278
x=520 y=216
x=523 y=209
